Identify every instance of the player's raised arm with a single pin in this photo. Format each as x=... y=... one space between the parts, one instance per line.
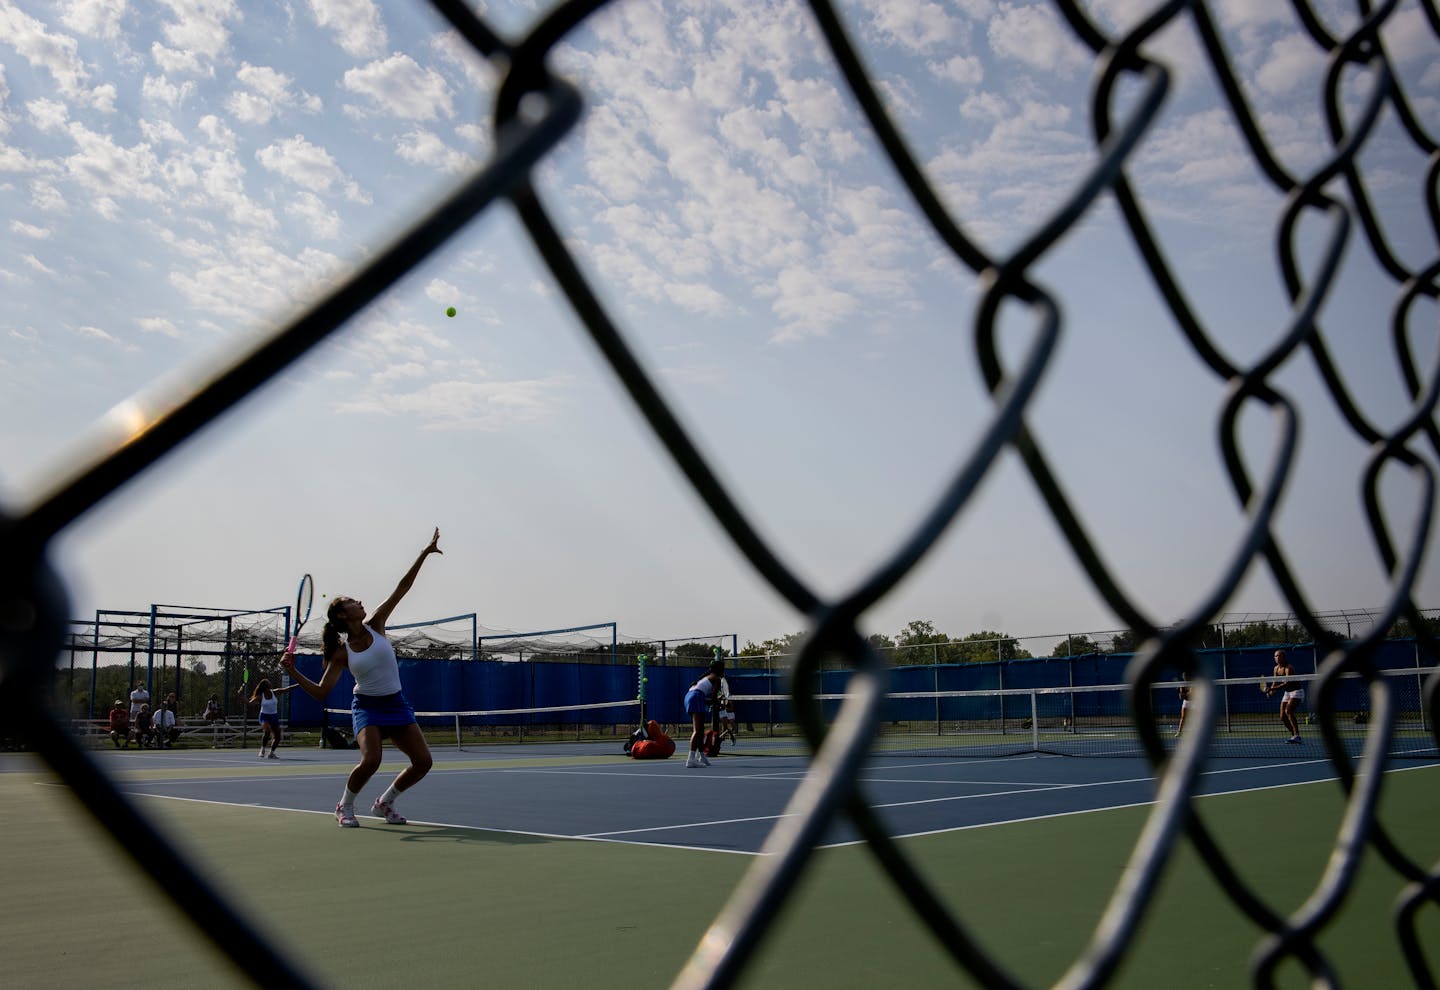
x=381 y=615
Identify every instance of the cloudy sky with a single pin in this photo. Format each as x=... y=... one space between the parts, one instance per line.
x=178 y=178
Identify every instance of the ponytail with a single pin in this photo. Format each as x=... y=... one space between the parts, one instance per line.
x=330 y=636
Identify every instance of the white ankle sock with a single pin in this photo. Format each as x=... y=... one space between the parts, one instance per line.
x=390 y=795
x=347 y=800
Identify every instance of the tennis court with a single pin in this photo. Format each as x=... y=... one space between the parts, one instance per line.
x=590 y=792
x=912 y=190
x=555 y=864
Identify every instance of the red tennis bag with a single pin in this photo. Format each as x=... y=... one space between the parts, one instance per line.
x=711 y=744
x=656 y=746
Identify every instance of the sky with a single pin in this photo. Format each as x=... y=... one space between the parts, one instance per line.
x=178 y=179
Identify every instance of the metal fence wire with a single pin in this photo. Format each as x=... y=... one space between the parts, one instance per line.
x=533 y=112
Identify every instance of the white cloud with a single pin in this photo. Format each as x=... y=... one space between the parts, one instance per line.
x=213 y=177
x=983 y=106
x=48 y=115
x=1199 y=148
x=401 y=87
x=45 y=196
x=437 y=290
x=110 y=170
x=161 y=131
x=466 y=405
x=95 y=333
x=422 y=147
x=697 y=297
x=94 y=18
x=16 y=160
x=1035 y=36
x=265 y=92
x=1248 y=14
x=308 y=166
x=356 y=25
x=405 y=371
x=808 y=302
x=918 y=25
x=198 y=36
x=216 y=132
x=966 y=70
x=56 y=54
x=1290 y=61
x=322 y=221
x=157 y=324
x=29 y=230
x=159 y=89
x=36 y=265
x=244 y=277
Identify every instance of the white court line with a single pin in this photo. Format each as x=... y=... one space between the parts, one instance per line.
x=1035 y=785
x=668 y=828
x=897 y=804
x=400 y=829
x=1118 y=807
x=608 y=836
x=972 y=797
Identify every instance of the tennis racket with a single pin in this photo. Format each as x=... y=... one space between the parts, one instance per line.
x=1265 y=687
x=304 y=599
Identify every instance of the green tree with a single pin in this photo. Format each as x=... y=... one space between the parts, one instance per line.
x=921 y=643
x=1075 y=646
x=1124 y=641
x=987 y=645
x=781 y=645
x=697 y=652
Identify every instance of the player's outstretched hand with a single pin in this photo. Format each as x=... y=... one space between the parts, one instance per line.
x=434 y=546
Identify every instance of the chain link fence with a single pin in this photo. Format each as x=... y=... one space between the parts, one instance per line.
x=535 y=110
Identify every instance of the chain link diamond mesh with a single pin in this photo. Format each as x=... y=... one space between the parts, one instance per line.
x=535 y=110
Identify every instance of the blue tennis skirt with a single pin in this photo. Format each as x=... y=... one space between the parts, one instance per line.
x=695 y=702
x=384 y=710
x=270 y=718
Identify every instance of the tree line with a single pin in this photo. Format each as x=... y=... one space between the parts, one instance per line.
x=919 y=642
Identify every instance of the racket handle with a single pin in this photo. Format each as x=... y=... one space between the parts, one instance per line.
x=293 y=643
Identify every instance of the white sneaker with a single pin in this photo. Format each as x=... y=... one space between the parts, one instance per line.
x=704 y=760
x=690 y=761
x=345 y=817
x=382 y=810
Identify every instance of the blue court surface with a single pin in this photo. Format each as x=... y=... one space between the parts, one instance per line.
x=592 y=792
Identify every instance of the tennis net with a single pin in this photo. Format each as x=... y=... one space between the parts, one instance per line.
x=559 y=723
x=1098 y=720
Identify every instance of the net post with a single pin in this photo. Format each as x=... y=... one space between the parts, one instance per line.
x=640 y=684
x=1034 y=721
x=459 y=743
x=935 y=679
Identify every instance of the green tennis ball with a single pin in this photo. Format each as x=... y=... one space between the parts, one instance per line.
x=644 y=680
x=450 y=311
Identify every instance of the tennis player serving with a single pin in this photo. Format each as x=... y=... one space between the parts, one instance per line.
x=379 y=709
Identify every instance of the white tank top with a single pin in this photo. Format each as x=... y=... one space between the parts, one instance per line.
x=376 y=671
x=270 y=705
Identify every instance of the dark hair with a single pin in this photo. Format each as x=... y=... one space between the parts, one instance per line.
x=263 y=686
x=717 y=666
x=330 y=635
